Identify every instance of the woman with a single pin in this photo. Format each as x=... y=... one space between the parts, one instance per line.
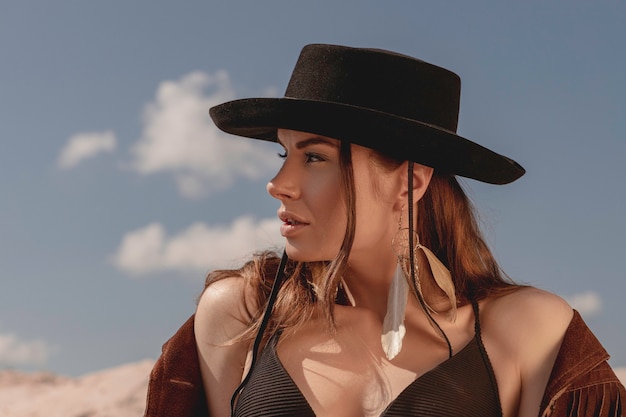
x=386 y=302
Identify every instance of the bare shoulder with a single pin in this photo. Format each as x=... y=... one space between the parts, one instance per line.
x=524 y=330
x=529 y=312
x=221 y=317
x=526 y=320
x=222 y=312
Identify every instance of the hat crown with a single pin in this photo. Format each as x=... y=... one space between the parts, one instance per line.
x=378 y=80
x=395 y=104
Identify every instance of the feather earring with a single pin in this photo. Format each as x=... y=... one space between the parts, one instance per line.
x=443 y=279
x=393 y=324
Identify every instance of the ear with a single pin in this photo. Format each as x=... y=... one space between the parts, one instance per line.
x=421 y=179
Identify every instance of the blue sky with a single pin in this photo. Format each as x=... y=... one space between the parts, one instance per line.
x=119 y=194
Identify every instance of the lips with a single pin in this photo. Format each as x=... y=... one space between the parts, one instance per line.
x=291 y=223
x=290 y=218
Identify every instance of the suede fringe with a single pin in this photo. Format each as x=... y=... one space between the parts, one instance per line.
x=602 y=400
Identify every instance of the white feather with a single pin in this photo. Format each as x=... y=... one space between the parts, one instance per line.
x=393 y=324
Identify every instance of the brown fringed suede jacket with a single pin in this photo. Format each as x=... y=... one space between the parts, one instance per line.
x=582 y=383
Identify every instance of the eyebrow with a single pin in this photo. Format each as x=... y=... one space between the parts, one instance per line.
x=317 y=140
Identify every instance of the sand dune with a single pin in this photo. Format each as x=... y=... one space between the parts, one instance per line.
x=119 y=392
x=115 y=392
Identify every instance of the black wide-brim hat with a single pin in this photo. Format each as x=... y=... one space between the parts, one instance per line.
x=403 y=107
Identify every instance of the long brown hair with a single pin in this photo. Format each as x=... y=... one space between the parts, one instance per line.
x=446 y=224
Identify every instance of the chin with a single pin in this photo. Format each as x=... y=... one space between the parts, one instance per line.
x=300 y=255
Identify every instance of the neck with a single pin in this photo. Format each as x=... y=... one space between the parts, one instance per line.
x=368 y=281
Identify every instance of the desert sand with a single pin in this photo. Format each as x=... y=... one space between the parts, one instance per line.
x=115 y=392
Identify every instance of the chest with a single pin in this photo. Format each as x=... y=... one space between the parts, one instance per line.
x=347 y=373
x=460 y=385
x=337 y=382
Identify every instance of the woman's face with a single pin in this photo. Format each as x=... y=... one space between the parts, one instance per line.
x=313 y=209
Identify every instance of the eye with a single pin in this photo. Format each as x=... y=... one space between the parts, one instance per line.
x=282 y=155
x=313 y=157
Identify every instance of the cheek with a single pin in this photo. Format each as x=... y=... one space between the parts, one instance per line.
x=375 y=218
x=325 y=194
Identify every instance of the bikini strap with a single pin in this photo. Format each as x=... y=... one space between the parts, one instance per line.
x=278 y=280
x=476 y=320
x=483 y=352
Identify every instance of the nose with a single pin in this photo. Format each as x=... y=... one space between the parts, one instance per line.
x=284 y=185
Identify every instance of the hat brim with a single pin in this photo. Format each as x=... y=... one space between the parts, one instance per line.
x=259 y=118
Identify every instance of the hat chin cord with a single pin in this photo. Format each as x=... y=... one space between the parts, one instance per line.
x=418 y=293
x=278 y=280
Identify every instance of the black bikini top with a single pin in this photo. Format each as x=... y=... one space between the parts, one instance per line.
x=463 y=385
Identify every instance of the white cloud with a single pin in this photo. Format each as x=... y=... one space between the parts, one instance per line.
x=179 y=137
x=14 y=351
x=199 y=247
x=84 y=146
x=586 y=303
